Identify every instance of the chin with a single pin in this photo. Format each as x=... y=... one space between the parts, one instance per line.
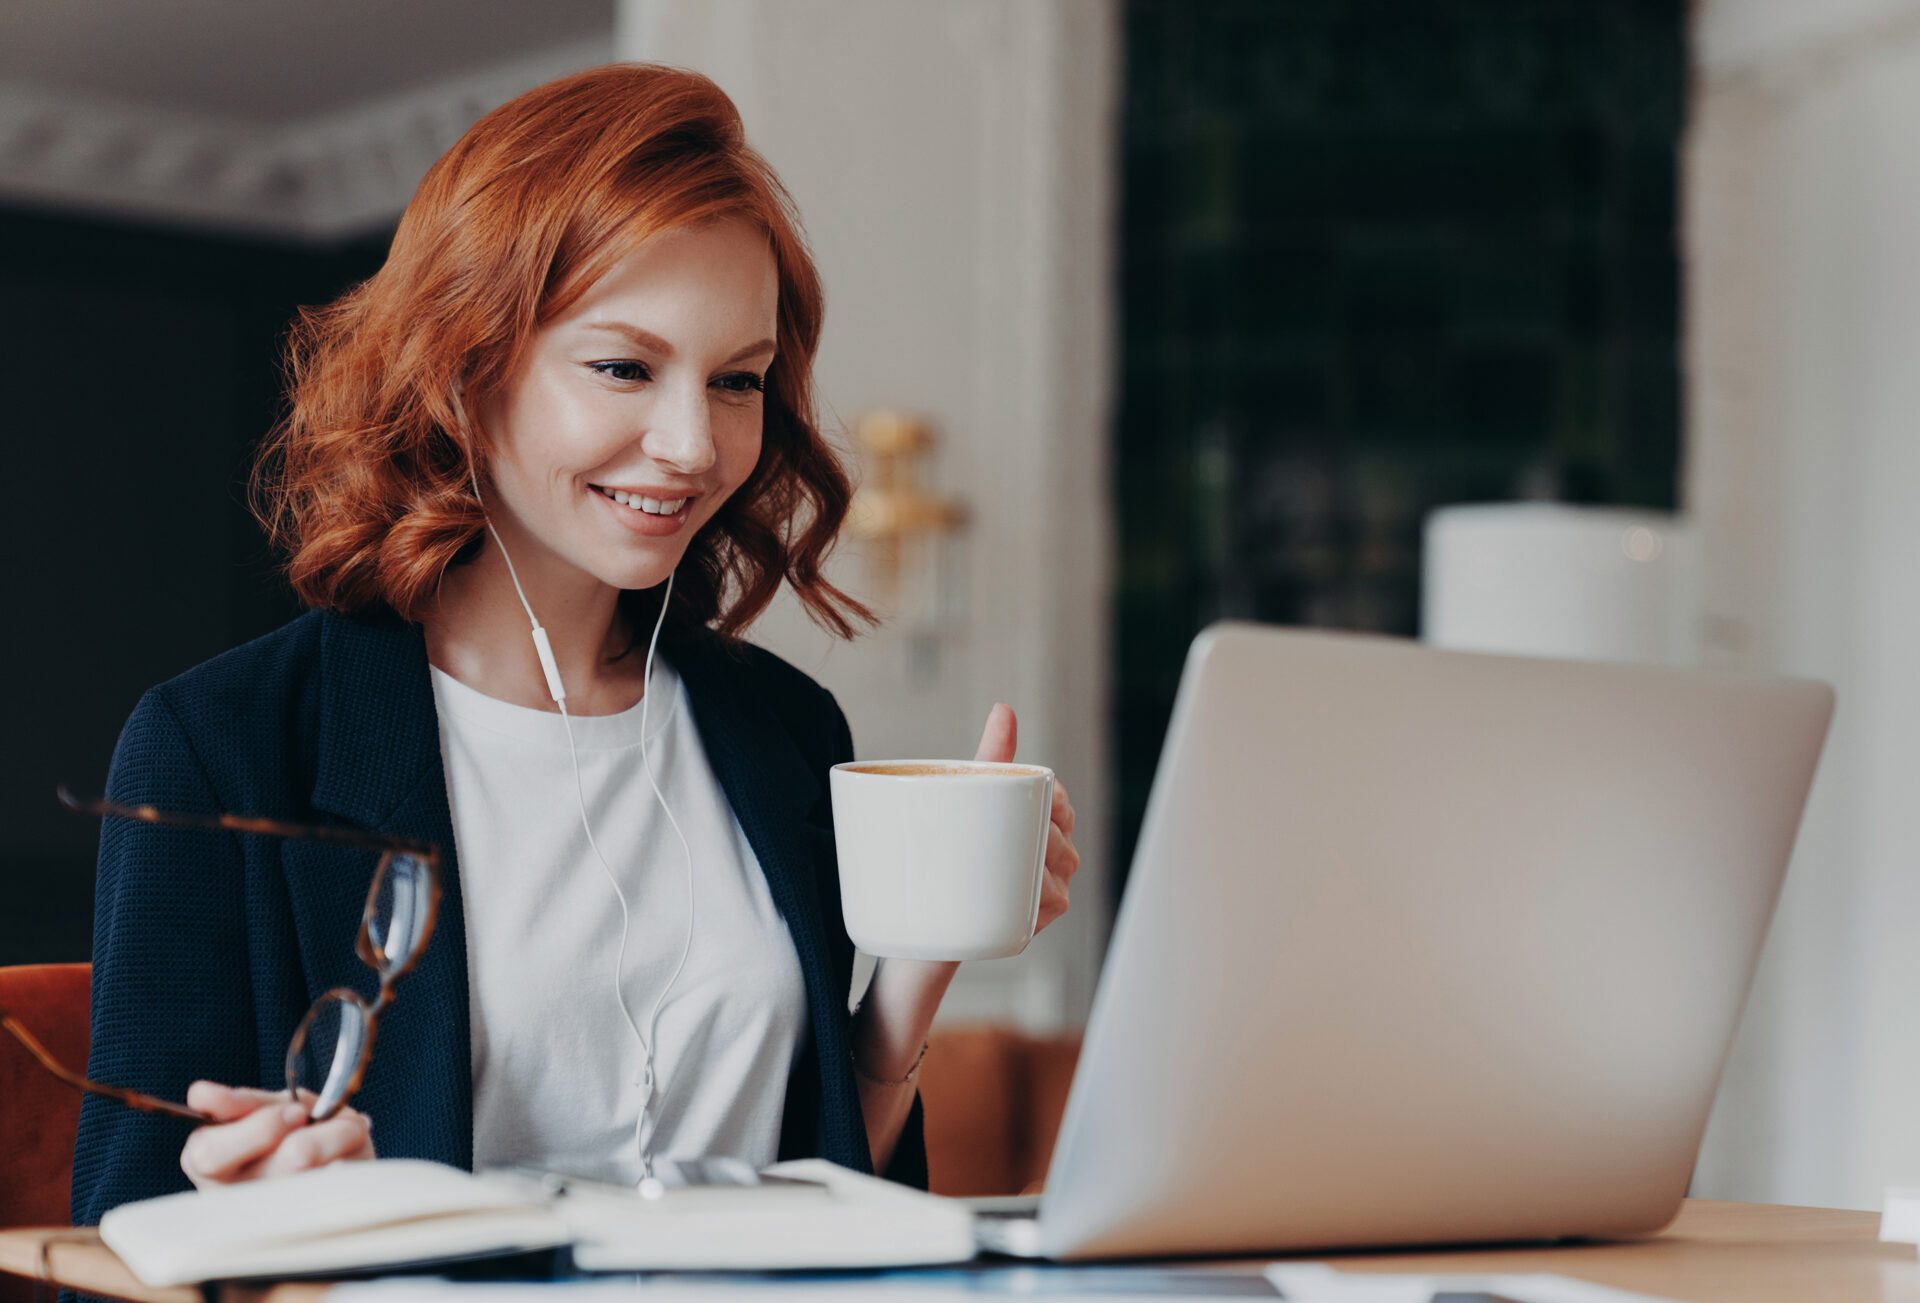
x=643 y=572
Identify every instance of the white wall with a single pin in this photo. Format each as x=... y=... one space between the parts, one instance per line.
x=1802 y=182
x=953 y=161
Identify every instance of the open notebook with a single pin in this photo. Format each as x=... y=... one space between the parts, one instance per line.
x=351 y=1217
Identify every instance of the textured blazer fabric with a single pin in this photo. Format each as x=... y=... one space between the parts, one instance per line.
x=209 y=945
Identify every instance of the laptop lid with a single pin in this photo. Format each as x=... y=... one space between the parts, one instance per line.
x=1424 y=946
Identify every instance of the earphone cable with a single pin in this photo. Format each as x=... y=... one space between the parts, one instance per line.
x=646 y=1041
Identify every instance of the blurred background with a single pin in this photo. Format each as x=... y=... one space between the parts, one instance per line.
x=1142 y=314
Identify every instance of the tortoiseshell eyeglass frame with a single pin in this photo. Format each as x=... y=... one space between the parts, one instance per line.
x=369 y=950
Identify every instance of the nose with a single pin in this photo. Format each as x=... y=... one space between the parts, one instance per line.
x=681 y=433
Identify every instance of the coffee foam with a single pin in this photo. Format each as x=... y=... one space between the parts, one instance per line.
x=925 y=770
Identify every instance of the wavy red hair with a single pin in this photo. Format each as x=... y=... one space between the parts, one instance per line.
x=363 y=486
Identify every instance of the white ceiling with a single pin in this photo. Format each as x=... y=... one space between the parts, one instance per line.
x=303 y=118
x=274 y=61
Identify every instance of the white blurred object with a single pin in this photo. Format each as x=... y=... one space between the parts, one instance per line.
x=1547 y=579
x=1318 y=1283
x=1900 y=1219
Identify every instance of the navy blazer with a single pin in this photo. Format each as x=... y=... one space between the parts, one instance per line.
x=210 y=945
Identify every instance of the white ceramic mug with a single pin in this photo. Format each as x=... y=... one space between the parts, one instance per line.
x=941 y=859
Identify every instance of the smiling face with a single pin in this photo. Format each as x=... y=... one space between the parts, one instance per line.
x=639 y=411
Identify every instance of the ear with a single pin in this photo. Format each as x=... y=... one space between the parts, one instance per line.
x=458 y=393
x=464 y=436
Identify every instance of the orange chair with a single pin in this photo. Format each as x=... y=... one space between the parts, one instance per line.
x=38 y=1114
x=994 y=1099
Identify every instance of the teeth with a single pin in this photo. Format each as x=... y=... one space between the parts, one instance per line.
x=652 y=506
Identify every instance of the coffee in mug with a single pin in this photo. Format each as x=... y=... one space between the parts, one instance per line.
x=941 y=859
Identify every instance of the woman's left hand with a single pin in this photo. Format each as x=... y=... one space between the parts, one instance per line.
x=1063 y=860
x=890 y=1031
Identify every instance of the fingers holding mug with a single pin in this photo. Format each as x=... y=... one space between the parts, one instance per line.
x=1063 y=859
x=1053 y=900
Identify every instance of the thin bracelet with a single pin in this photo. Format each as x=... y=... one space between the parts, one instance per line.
x=907 y=1080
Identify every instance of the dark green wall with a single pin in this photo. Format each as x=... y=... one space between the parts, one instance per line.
x=1378 y=256
x=139 y=369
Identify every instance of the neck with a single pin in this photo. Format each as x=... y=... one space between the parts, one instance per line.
x=478 y=632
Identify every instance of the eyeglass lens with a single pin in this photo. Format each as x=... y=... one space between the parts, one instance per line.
x=402 y=911
x=323 y=1062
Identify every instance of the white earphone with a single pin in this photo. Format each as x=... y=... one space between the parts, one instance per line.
x=642 y=1137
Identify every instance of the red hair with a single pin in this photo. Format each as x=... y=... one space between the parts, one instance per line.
x=364 y=485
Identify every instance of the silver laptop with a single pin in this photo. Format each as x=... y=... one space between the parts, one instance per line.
x=1423 y=947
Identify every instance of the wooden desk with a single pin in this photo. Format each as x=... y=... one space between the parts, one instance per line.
x=1713 y=1253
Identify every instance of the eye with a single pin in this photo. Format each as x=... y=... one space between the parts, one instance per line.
x=624 y=371
x=742 y=382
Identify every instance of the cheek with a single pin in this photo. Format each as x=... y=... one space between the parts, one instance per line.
x=740 y=450
x=559 y=429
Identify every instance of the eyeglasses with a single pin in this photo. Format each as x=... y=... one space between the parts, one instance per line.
x=333 y=1044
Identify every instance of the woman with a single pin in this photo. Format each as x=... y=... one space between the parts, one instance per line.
x=576 y=396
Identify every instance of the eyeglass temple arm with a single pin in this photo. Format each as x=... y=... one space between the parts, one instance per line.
x=249 y=823
x=131 y=1098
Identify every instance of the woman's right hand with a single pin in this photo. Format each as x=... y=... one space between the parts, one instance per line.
x=260 y=1133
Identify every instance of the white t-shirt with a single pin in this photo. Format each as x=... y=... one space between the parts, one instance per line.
x=554 y=1063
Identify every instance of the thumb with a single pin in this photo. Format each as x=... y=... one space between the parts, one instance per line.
x=1002 y=733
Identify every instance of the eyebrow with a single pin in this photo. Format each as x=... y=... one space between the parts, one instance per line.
x=647 y=339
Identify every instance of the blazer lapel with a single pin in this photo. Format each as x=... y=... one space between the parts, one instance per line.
x=378 y=766
x=771 y=787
